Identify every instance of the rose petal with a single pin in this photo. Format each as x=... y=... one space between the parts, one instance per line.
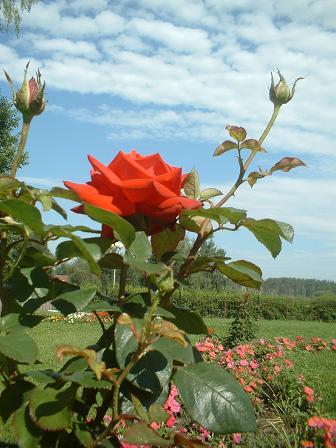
x=127 y=167
x=92 y=196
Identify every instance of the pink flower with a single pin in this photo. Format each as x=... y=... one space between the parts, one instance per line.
x=236 y=438
x=171 y=421
x=309 y=393
x=155 y=425
x=171 y=404
x=243 y=362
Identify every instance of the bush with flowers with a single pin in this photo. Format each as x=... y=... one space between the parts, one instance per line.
x=144 y=350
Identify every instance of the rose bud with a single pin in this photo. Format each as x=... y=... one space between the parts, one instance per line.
x=29 y=100
x=143 y=189
x=281 y=94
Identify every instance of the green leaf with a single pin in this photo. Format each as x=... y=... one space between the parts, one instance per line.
x=202 y=264
x=70 y=302
x=167 y=240
x=49 y=409
x=242 y=272
x=140 y=247
x=96 y=246
x=140 y=410
x=209 y=193
x=58 y=209
x=35 y=257
x=29 y=215
x=220 y=215
x=64 y=193
x=80 y=247
x=224 y=147
x=19 y=346
x=14 y=322
x=138 y=304
x=141 y=434
x=13 y=397
x=8 y=183
x=268 y=232
x=47 y=376
x=152 y=371
x=215 y=399
x=189 y=321
x=83 y=435
x=88 y=379
x=252 y=144
x=137 y=254
x=192 y=185
x=125 y=344
x=236 y=132
x=122 y=229
x=27 y=434
x=174 y=351
x=156 y=413
x=46 y=202
x=111 y=261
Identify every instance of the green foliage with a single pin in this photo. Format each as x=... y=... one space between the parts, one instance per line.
x=243 y=328
x=11 y=11
x=226 y=304
x=215 y=399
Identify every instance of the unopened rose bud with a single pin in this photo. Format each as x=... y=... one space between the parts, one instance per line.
x=29 y=100
x=280 y=93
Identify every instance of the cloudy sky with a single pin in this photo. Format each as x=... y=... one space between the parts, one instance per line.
x=168 y=76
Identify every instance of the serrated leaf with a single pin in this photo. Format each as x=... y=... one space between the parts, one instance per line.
x=122 y=229
x=19 y=346
x=236 y=132
x=242 y=272
x=70 y=302
x=215 y=399
x=96 y=246
x=253 y=145
x=167 y=240
x=27 y=214
x=141 y=434
x=83 y=435
x=49 y=409
x=286 y=164
x=192 y=185
x=268 y=232
x=27 y=434
x=46 y=202
x=224 y=147
x=156 y=413
x=209 y=193
x=140 y=247
x=189 y=321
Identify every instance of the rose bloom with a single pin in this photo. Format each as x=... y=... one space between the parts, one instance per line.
x=133 y=185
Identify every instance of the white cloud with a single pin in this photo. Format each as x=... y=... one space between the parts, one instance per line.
x=64 y=46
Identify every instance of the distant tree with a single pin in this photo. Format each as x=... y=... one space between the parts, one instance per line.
x=11 y=12
x=9 y=136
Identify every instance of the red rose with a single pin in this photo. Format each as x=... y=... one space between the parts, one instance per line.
x=133 y=184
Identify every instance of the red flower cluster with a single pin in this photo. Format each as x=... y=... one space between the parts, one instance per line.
x=327 y=427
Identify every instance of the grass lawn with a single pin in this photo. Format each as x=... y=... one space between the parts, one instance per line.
x=318 y=368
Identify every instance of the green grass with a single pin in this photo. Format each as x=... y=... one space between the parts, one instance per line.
x=318 y=368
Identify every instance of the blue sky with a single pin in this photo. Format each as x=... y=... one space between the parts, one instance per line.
x=168 y=76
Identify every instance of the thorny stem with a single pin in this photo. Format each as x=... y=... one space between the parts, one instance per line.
x=144 y=342
x=240 y=179
x=21 y=147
